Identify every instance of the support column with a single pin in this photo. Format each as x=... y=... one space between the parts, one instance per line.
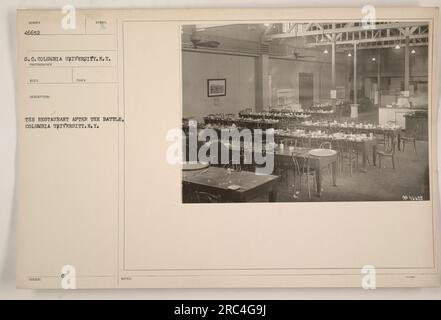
x=406 y=64
x=333 y=68
x=354 y=106
x=262 y=83
x=355 y=73
x=379 y=77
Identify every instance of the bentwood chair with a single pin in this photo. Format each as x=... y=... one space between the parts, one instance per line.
x=386 y=137
x=246 y=159
x=302 y=168
x=388 y=152
x=281 y=169
x=347 y=154
x=409 y=136
x=325 y=145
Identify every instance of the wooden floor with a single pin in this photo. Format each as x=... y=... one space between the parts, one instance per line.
x=410 y=178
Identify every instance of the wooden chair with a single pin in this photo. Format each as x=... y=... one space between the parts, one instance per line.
x=281 y=169
x=246 y=154
x=302 y=168
x=325 y=145
x=385 y=137
x=282 y=166
x=388 y=152
x=409 y=137
x=347 y=153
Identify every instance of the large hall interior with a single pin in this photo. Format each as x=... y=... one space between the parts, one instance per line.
x=348 y=104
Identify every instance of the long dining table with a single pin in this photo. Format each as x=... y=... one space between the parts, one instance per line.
x=316 y=163
x=249 y=123
x=364 y=146
x=284 y=157
x=392 y=133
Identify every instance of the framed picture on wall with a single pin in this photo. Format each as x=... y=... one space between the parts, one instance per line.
x=216 y=87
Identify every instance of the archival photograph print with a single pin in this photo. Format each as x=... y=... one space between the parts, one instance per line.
x=313 y=112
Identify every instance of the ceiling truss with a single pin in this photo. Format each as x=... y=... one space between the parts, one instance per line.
x=345 y=35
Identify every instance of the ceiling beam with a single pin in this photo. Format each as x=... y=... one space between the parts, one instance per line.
x=382 y=46
x=368 y=40
x=301 y=32
x=221 y=51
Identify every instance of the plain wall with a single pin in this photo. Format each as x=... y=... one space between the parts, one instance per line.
x=285 y=75
x=239 y=71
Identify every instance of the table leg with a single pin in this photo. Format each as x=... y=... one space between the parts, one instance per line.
x=272 y=196
x=399 y=142
x=364 y=155
x=334 y=173
x=318 y=180
x=374 y=155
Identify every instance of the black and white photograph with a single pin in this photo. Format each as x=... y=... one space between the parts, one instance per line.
x=314 y=111
x=229 y=151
